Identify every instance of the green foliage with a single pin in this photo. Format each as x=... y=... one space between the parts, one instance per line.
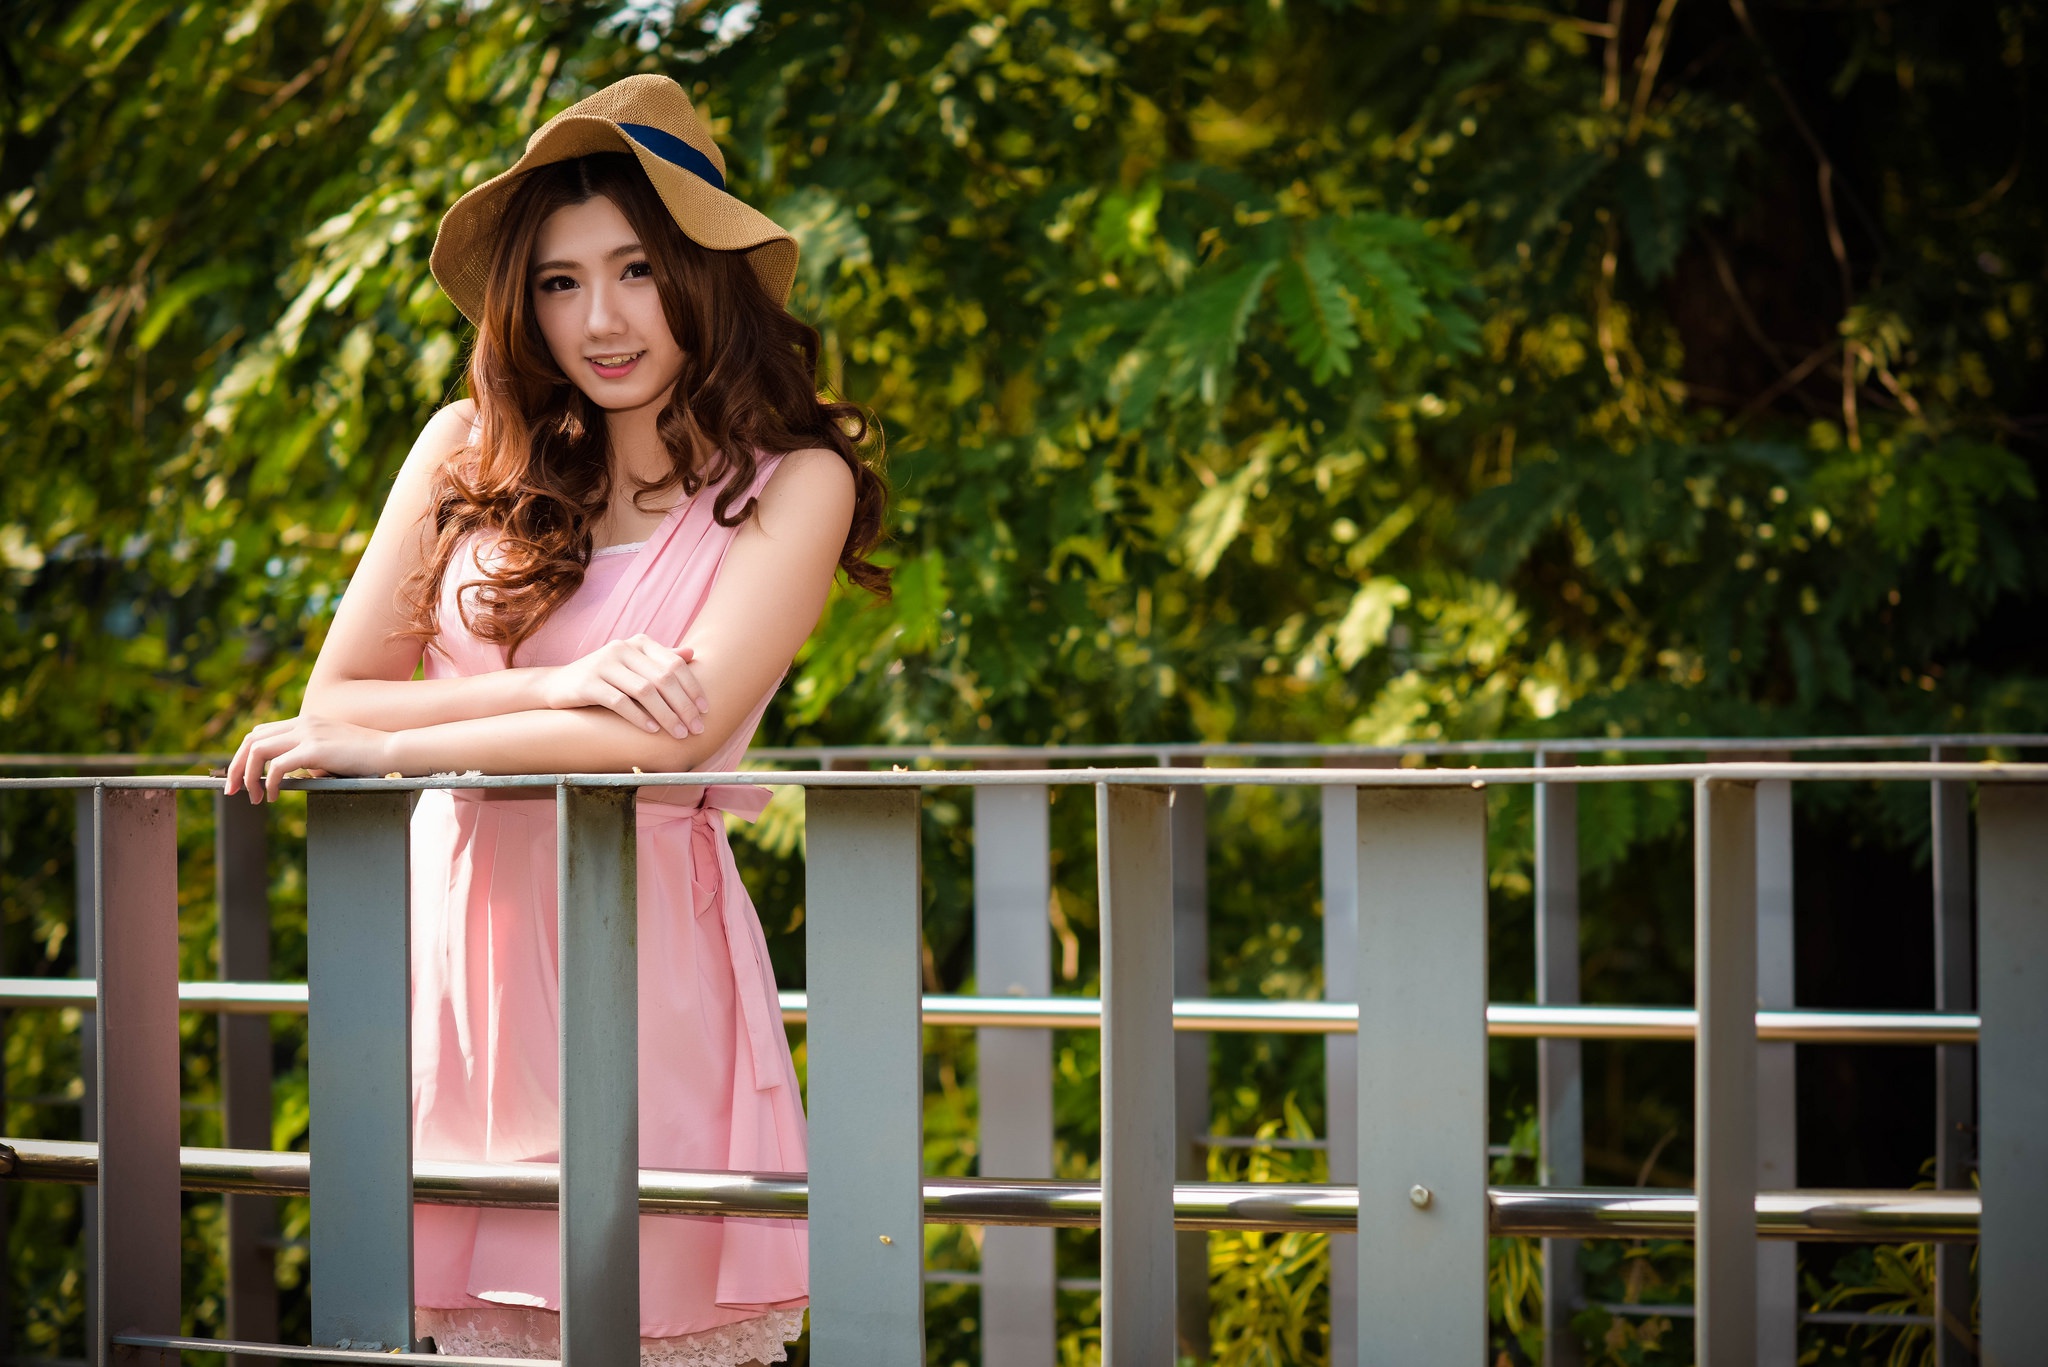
x=1270 y=1292
x=1890 y=1279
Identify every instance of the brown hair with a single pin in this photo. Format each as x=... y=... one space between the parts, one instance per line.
x=540 y=474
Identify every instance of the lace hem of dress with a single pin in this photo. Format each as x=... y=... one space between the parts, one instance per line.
x=515 y=1331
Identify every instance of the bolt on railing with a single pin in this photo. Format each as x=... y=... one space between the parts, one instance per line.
x=361 y=825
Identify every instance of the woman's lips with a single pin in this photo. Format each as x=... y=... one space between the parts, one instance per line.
x=615 y=367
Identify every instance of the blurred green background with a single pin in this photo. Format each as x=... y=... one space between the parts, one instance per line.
x=1285 y=371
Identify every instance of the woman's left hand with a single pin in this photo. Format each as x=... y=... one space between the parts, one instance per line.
x=318 y=744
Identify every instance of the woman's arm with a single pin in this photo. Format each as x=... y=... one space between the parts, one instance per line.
x=364 y=675
x=769 y=593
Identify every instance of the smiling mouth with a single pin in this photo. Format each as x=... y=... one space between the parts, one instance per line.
x=615 y=362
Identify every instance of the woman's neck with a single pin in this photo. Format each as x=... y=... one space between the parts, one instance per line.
x=638 y=454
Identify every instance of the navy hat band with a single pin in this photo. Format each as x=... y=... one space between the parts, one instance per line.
x=675 y=151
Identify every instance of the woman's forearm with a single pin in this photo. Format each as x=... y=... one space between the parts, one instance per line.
x=405 y=704
x=583 y=740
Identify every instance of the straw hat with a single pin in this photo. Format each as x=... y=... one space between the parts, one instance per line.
x=652 y=118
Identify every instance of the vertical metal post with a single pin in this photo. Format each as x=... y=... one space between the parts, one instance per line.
x=135 y=1016
x=1955 y=1065
x=358 y=979
x=6 y=1283
x=2012 y=989
x=242 y=895
x=1560 y=1087
x=1134 y=854
x=597 y=883
x=1777 y=1262
x=1340 y=1052
x=1724 y=1070
x=85 y=938
x=1421 y=961
x=1188 y=818
x=866 y=1076
x=1013 y=957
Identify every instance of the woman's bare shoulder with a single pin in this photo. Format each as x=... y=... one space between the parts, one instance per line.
x=812 y=488
x=444 y=437
x=449 y=430
x=815 y=472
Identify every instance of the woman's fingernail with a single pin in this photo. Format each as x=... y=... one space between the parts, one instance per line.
x=682 y=731
x=652 y=727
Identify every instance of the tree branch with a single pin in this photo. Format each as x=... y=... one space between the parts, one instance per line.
x=1653 y=58
x=1536 y=14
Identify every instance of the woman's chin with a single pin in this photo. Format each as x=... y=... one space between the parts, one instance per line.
x=620 y=397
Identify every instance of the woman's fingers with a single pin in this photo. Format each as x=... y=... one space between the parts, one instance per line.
x=635 y=677
x=675 y=665
x=668 y=696
x=252 y=766
x=238 y=770
x=610 y=695
x=256 y=772
x=231 y=776
x=276 y=769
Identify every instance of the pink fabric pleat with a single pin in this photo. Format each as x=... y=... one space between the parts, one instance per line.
x=717 y=1089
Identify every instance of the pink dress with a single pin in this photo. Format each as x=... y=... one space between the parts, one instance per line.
x=717 y=1090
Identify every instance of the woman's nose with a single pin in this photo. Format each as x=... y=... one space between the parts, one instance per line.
x=605 y=316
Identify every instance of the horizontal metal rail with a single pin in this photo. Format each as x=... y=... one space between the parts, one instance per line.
x=542 y=786
x=1185 y=750
x=292 y=1352
x=1512 y=1020
x=1533 y=1212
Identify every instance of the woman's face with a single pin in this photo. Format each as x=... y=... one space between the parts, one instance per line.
x=599 y=308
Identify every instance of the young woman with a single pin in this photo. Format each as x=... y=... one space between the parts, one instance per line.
x=608 y=557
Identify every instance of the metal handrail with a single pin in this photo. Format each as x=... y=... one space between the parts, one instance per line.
x=542 y=786
x=1504 y=1020
x=1184 y=750
x=1528 y=1212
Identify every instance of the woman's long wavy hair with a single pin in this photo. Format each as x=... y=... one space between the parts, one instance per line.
x=540 y=474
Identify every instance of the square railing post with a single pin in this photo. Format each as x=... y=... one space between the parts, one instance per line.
x=1955 y=1065
x=1560 y=1086
x=1013 y=957
x=242 y=897
x=85 y=942
x=1724 y=1070
x=1422 y=1063
x=359 y=1069
x=1188 y=821
x=1340 y=1051
x=1134 y=857
x=135 y=1019
x=597 y=892
x=2012 y=991
x=864 y=1040
x=1777 y=1070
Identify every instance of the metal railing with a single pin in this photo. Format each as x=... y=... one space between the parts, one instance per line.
x=861 y=907
x=1504 y=1020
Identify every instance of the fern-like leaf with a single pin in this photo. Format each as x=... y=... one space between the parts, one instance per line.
x=1321 y=330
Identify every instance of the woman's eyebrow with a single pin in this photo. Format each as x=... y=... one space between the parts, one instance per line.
x=630 y=249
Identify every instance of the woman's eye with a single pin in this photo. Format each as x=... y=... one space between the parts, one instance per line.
x=639 y=270
x=555 y=284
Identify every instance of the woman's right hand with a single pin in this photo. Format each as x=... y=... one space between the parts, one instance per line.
x=644 y=681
